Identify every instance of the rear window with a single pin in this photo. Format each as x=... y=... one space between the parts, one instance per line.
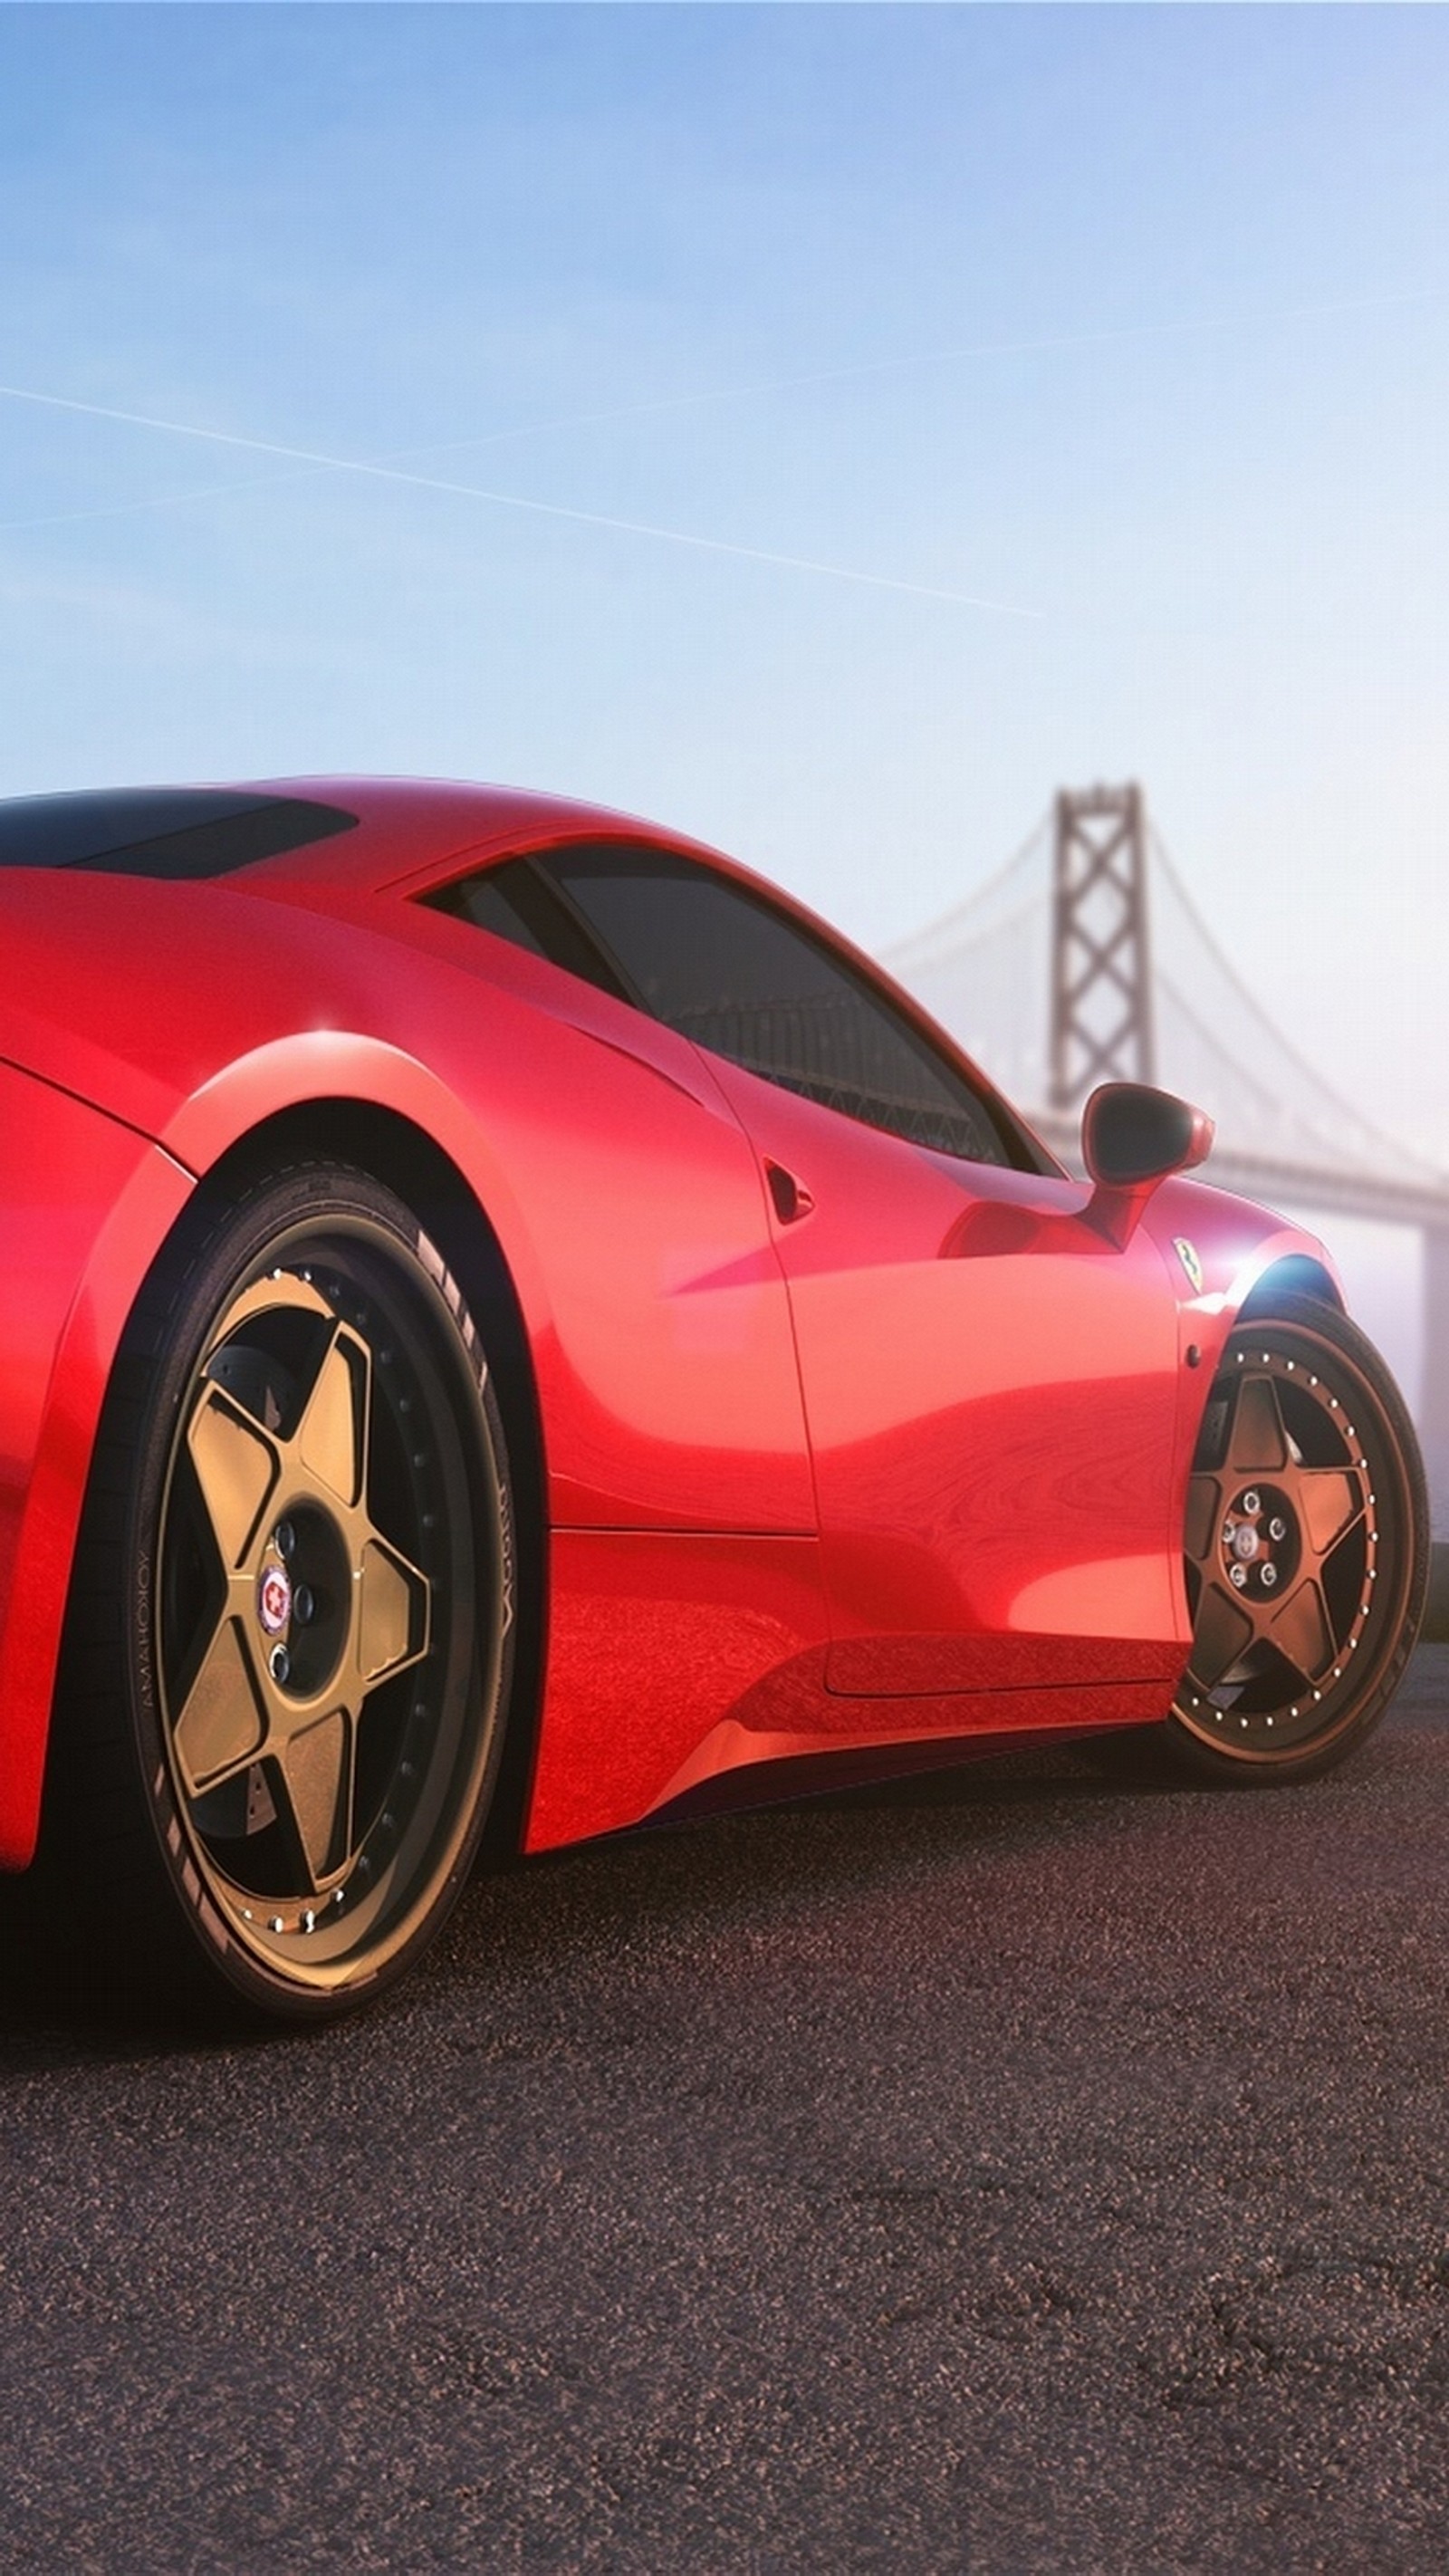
x=160 y=831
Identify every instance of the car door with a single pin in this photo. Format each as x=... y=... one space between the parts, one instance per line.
x=990 y=1387
x=668 y=1376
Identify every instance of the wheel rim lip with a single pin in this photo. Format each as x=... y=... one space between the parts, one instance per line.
x=393 y=1900
x=1310 y=1719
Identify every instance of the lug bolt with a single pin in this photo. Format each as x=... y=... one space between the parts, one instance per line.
x=304 y=1607
x=1270 y=1577
x=1277 y=1528
x=1237 y=1576
x=1253 y=1504
x=279 y=1663
x=284 y=1539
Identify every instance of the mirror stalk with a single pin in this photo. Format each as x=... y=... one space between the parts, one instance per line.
x=1115 y=1208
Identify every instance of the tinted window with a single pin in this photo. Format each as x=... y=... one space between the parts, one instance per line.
x=161 y=831
x=515 y=902
x=724 y=968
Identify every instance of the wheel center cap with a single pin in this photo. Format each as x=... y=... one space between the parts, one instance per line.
x=1261 y=1548
x=274 y=1599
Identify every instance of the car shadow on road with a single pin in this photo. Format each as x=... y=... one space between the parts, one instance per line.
x=57 y=2009
x=60 y=2006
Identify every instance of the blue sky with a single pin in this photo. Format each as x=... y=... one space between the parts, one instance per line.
x=1198 y=459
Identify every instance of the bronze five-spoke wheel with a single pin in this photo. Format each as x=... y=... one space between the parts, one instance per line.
x=1306 y=1548
x=314 y=1581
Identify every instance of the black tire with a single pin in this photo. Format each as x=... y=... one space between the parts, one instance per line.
x=289 y=1638
x=1306 y=1548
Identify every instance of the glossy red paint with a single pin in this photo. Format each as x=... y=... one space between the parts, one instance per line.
x=663 y=1651
x=904 y=1465
x=674 y=1662
x=87 y=1204
x=992 y=1394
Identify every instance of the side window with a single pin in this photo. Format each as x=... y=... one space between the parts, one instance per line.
x=516 y=902
x=721 y=966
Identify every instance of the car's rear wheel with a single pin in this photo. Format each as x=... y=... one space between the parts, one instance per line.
x=292 y=1602
x=1306 y=1546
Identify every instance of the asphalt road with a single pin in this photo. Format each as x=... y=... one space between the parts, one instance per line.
x=1018 y=2169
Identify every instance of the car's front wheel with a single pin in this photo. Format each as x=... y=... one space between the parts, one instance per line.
x=289 y=1638
x=1306 y=1547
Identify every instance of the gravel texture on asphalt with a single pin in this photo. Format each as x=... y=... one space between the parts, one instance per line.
x=1028 y=2167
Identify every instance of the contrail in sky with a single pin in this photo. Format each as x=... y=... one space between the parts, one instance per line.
x=170 y=500
x=512 y=501
x=861 y=368
x=385 y=469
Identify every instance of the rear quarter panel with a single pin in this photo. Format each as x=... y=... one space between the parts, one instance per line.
x=86 y=1203
x=666 y=1379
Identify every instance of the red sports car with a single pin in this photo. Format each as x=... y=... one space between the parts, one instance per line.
x=510 y=1321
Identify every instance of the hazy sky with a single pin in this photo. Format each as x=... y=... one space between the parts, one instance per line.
x=1133 y=322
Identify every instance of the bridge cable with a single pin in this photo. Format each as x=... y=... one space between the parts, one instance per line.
x=937 y=935
x=1323 y=1089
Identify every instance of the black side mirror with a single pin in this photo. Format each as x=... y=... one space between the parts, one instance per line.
x=1132 y=1138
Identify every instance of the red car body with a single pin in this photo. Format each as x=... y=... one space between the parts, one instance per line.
x=849 y=1448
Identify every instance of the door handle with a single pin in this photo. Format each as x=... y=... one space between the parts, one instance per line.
x=791 y=1197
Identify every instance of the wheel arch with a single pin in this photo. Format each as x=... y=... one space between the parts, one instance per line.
x=402 y=1155
x=1296 y=1274
x=1299 y=1296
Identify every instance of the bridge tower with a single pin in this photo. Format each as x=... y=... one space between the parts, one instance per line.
x=1101 y=986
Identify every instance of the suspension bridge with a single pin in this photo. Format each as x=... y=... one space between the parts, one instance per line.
x=1084 y=960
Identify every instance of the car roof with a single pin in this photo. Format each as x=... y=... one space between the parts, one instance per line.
x=362 y=834
x=412 y=826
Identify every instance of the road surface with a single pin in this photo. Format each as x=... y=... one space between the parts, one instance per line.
x=1018 y=2169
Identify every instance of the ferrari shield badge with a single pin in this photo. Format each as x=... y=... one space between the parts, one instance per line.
x=1187 y=1255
